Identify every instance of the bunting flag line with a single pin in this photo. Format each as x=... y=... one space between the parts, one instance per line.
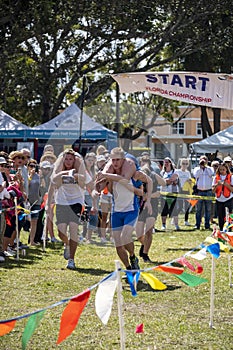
x=223 y=247
x=201 y=255
x=191 y=280
x=198 y=269
x=7 y=327
x=214 y=249
x=184 y=196
x=132 y=279
x=169 y=201
x=169 y=269
x=71 y=315
x=104 y=298
x=30 y=327
x=193 y=202
x=153 y=281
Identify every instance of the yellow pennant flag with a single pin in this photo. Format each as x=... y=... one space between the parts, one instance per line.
x=153 y=281
x=223 y=247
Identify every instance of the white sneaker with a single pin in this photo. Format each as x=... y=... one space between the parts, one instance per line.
x=66 y=253
x=163 y=228
x=8 y=254
x=186 y=223
x=103 y=240
x=55 y=240
x=71 y=265
x=11 y=251
x=2 y=259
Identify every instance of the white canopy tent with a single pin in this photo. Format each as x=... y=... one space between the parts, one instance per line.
x=222 y=141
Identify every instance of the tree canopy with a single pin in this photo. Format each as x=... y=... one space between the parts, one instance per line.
x=48 y=46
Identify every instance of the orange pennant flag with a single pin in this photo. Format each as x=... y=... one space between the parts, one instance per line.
x=230 y=237
x=7 y=327
x=193 y=202
x=71 y=315
x=170 y=269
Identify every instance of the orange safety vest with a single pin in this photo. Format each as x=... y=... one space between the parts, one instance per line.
x=221 y=189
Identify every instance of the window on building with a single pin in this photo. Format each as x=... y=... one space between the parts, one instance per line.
x=178 y=129
x=199 y=129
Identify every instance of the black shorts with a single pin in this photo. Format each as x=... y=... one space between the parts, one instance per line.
x=68 y=213
x=170 y=206
x=144 y=212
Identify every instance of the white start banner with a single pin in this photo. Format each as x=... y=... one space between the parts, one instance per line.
x=207 y=89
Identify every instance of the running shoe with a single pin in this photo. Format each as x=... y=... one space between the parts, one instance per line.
x=134 y=263
x=71 y=265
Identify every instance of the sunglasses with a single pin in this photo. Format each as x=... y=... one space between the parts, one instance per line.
x=6 y=166
x=32 y=165
x=185 y=163
x=20 y=157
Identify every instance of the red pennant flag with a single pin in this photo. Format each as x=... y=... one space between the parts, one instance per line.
x=139 y=328
x=185 y=262
x=7 y=327
x=169 y=269
x=71 y=315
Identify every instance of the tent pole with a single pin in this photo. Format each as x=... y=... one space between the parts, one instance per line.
x=81 y=113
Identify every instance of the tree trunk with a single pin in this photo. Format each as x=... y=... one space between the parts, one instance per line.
x=205 y=124
x=217 y=119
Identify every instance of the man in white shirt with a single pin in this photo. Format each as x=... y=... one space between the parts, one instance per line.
x=204 y=176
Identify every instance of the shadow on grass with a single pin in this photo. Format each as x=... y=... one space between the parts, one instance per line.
x=31 y=257
x=92 y=271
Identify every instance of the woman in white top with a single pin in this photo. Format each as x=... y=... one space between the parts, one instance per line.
x=170 y=175
x=68 y=183
x=185 y=183
x=223 y=188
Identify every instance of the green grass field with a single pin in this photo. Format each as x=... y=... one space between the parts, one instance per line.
x=176 y=318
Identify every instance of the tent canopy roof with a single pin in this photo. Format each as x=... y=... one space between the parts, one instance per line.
x=67 y=125
x=221 y=141
x=10 y=127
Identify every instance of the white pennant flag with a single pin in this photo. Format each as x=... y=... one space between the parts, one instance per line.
x=201 y=255
x=104 y=298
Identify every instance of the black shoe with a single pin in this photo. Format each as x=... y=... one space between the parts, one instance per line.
x=141 y=251
x=146 y=259
x=134 y=263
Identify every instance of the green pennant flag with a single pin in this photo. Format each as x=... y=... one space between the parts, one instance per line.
x=169 y=201
x=30 y=327
x=191 y=280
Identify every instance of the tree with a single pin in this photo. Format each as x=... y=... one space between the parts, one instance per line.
x=50 y=45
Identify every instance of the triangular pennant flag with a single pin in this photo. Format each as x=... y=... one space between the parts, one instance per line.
x=191 y=280
x=214 y=249
x=71 y=315
x=222 y=246
x=130 y=278
x=169 y=201
x=30 y=327
x=185 y=262
x=104 y=298
x=139 y=328
x=230 y=237
x=7 y=327
x=193 y=202
x=201 y=255
x=153 y=281
x=170 y=269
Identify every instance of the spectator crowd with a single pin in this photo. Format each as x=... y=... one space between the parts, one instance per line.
x=108 y=194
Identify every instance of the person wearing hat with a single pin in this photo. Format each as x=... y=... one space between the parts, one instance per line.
x=48 y=156
x=204 y=176
x=228 y=160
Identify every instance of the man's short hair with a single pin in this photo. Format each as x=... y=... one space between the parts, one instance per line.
x=117 y=152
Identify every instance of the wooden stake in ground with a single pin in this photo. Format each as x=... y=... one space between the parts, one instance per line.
x=119 y=304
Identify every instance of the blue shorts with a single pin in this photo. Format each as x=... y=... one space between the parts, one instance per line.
x=120 y=219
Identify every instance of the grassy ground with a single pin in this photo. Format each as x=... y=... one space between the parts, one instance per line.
x=176 y=318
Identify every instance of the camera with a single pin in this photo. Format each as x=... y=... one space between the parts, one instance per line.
x=67 y=179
